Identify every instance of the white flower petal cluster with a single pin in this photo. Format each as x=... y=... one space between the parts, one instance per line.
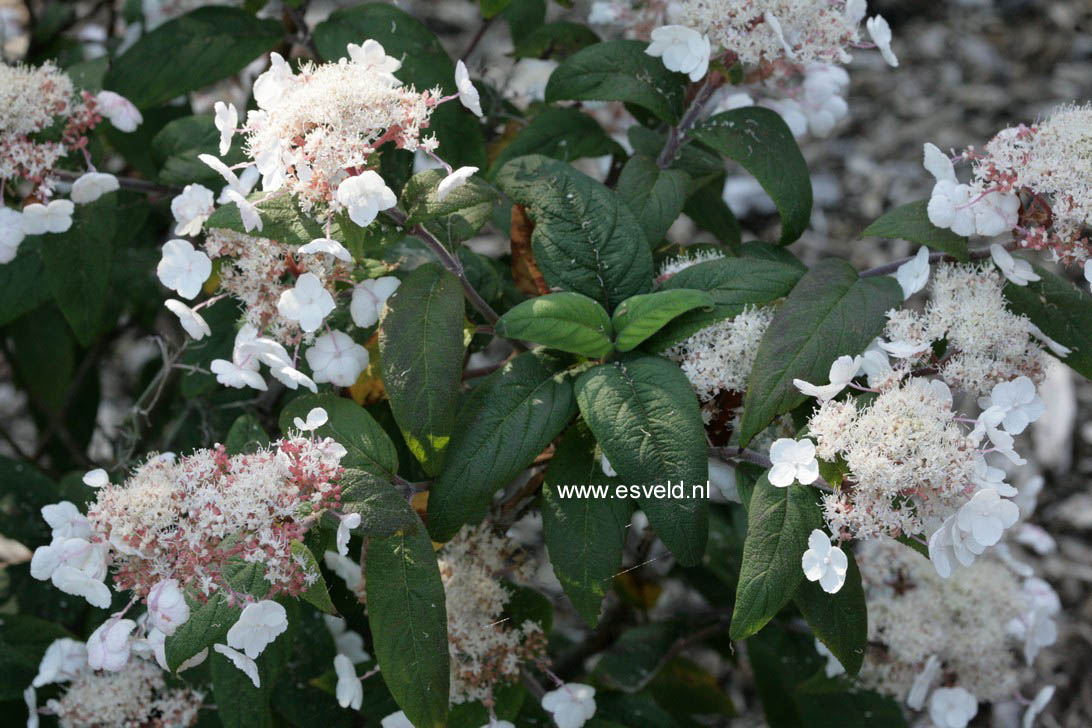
x=1016 y=270
x=345 y=568
x=842 y=372
x=326 y=245
x=344 y=532
x=63 y=660
x=880 y=32
x=965 y=209
x=349 y=690
x=337 y=359
x=71 y=561
x=109 y=646
x=682 y=49
x=914 y=273
x=364 y=196
x=191 y=209
x=192 y=322
x=468 y=95
x=1017 y=402
x=183 y=269
x=316 y=418
x=369 y=297
x=825 y=563
x=793 y=460
x=11 y=233
x=56 y=217
x=119 y=110
x=571 y=705
x=226 y=120
x=91 y=186
x=259 y=624
x=307 y=302
x=967 y=533
x=167 y=607
x=952 y=707
x=347 y=642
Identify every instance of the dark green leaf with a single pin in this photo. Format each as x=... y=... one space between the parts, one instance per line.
x=208 y=624
x=369 y=446
x=619 y=70
x=316 y=595
x=508 y=418
x=555 y=40
x=523 y=16
x=637 y=656
x=707 y=208
x=585 y=239
x=43 y=354
x=830 y=313
x=1061 y=310
x=761 y=142
x=779 y=521
x=645 y=416
x=559 y=133
x=911 y=222
x=459 y=216
x=839 y=620
x=700 y=164
x=567 y=321
x=656 y=196
x=639 y=317
x=23 y=642
x=246 y=435
x=421 y=352
x=492 y=7
x=381 y=506
x=177 y=146
x=22 y=283
x=190 y=52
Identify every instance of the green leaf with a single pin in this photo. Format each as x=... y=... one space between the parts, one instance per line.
x=381 y=506
x=585 y=537
x=22 y=287
x=77 y=266
x=830 y=313
x=567 y=321
x=685 y=688
x=839 y=620
x=492 y=7
x=555 y=40
x=779 y=521
x=631 y=662
x=761 y=142
x=585 y=239
x=190 y=52
x=43 y=354
x=317 y=594
x=461 y=214
x=283 y=221
x=408 y=620
x=656 y=196
x=911 y=222
x=421 y=351
x=707 y=208
x=369 y=446
x=246 y=435
x=1061 y=310
x=645 y=416
x=619 y=70
x=559 y=133
x=639 y=317
x=523 y=16
x=701 y=164
x=505 y=421
x=177 y=145
x=734 y=284
x=208 y=624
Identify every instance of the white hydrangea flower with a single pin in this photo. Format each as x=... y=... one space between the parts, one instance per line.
x=348 y=642
x=56 y=217
x=316 y=418
x=977 y=525
x=987 y=425
x=337 y=359
x=682 y=49
x=65 y=519
x=248 y=211
x=914 y=273
x=364 y=196
x=119 y=110
x=191 y=209
x=167 y=607
x=987 y=476
x=396 y=720
x=952 y=707
x=241 y=661
x=1037 y=705
x=369 y=297
x=226 y=121
x=453 y=181
x=1040 y=631
x=842 y=372
x=468 y=95
x=373 y=59
x=308 y=302
x=91 y=186
x=349 y=690
x=11 y=233
x=995 y=213
x=880 y=32
x=232 y=375
x=344 y=532
x=271 y=85
x=950 y=207
x=108 y=646
x=824 y=562
x=192 y=322
x=63 y=660
x=241 y=186
x=571 y=705
x=822 y=102
x=1018 y=402
x=258 y=625
x=1016 y=270
x=182 y=268
x=326 y=245
x=793 y=460
x=904 y=349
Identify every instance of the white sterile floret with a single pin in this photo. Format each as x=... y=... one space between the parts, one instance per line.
x=682 y=49
x=316 y=418
x=369 y=297
x=824 y=562
x=453 y=181
x=91 y=186
x=337 y=359
x=987 y=476
x=842 y=372
x=11 y=233
x=995 y=212
x=396 y=720
x=191 y=209
x=950 y=207
x=1016 y=270
x=272 y=84
x=793 y=460
x=248 y=211
x=952 y=707
x=65 y=519
x=880 y=32
x=571 y=705
x=63 y=660
x=349 y=690
x=373 y=59
x=822 y=102
x=108 y=646
x=192 y=322
x=1039 y=631
x=183 y=269
x=976 y=526
x=226 y=121
x=231 y=374
x=119 y=110
x=259 y=624
x=167 y=607
x=914 y=273
x=326 y=245
x=241 y=186
x=56 y=217
x=344 y=532
x=468 y=95
x=364 y=196
x=1018 y=402
x=347 y=642
x=308 y=302
x=345 y=568
x=242 y=662
x=1036 y=706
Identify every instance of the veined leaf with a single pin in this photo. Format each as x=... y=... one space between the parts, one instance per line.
x=911 y=222
x=639 y=317
x=566 y=321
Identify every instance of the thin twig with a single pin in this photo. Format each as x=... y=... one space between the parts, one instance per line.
x=306 y=39
x=676 y=136
x=477 y=37
x=127 y=183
